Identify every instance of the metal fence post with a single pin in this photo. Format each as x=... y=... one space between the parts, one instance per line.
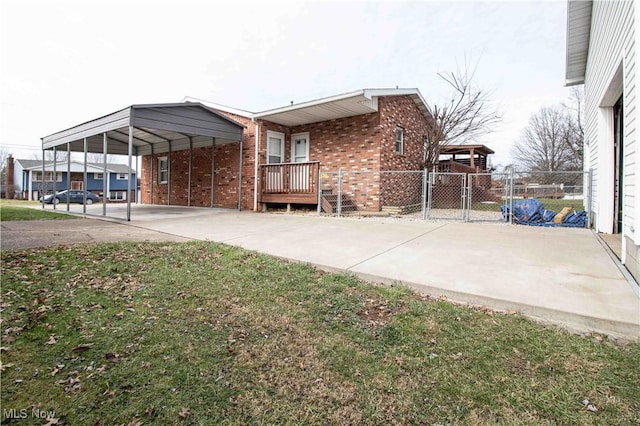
x=510 y=196
x=465 y=196
x=432 y=177
x=425 y=182
x=589 y=195
x=339 y=206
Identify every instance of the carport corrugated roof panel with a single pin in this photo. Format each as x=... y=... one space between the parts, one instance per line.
x=153 y=124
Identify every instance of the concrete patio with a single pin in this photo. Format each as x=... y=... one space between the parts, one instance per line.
x=564 y=276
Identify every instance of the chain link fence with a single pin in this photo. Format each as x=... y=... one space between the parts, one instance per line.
x=473 y=197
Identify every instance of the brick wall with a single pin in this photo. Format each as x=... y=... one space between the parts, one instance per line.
x=401 y=111
x=361 y=143
x=226 y=163
x=177 y=192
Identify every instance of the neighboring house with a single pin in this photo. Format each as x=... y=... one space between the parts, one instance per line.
x=285 y=150
x=601 y=49
x=28 y=182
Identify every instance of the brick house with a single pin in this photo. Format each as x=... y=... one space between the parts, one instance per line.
x=285 y=152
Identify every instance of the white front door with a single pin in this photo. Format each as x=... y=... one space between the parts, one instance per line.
x=300 y=148
x=299 y=178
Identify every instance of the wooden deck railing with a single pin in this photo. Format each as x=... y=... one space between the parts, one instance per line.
x=289 y=183
x=451 y=166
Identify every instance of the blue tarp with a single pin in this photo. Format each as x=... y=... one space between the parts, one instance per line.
x=532 y=212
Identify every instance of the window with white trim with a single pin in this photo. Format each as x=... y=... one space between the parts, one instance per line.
x=121 y=176
x=98 y=176
x=48 y=176
x=118 y=195
x=275 y=147
x=399 y=140
x=163 y=170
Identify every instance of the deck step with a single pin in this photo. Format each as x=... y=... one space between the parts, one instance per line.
x=330 y=204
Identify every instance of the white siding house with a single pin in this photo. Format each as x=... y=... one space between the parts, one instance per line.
x=601 y=42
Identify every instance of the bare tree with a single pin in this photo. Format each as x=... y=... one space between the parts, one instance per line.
x=61 y=155
x=93 y=157
x=574 y=110
x=467 y=115
x=554 y=138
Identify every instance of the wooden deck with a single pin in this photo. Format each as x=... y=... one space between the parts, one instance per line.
x=289 y=183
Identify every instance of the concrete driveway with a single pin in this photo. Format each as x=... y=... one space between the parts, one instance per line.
x=560 y=275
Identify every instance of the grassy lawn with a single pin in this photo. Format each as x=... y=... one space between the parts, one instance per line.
x=203 y=333
x=20 y=210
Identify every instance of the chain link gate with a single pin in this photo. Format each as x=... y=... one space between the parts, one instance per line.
x=487 y=192
x=447 y=196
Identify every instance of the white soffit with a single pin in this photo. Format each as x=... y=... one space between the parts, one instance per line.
x=334 y=107
x=578 y=33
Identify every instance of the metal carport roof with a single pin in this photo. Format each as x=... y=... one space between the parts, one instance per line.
x=153 y=125
x=149 y=129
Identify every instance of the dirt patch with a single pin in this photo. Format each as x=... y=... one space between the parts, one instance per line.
x=46 y=233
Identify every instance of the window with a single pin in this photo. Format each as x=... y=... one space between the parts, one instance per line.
x=399 y=140
x=121 y=176
x=98 y=176
x=48 y=176
x=163 y=170
x=118 y=195
x=275 y=147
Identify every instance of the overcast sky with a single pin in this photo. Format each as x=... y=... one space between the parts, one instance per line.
x=64 y=63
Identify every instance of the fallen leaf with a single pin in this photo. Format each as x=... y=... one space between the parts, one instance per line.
x=57 y=369
x=184 y=412
x=51 y=421
x=135 y=422
x=8 y=339
x=149 y=410
x=111 y=357
x=52 y=340
x=81 y=348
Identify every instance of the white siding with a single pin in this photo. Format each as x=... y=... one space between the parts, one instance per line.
x=611 y=48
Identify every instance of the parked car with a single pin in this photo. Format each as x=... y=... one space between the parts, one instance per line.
x=73 y=196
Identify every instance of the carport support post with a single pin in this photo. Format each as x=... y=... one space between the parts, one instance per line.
x=213 y=166
x=129 y=153
x=190 y=163
x=169 y=177
x=55 y=175
x=152 y=160
x=42 y=181
x=104 y=173
x=240 y=176
x=84 y=179
x=68 y=173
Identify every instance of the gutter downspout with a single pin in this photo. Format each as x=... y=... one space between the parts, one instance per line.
x=255 y=166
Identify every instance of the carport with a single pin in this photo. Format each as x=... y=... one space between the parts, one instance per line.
x=147 y=130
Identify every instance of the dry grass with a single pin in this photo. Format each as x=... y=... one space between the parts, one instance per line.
x=202 y=333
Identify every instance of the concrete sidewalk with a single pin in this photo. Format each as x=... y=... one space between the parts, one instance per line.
x=560 y=275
